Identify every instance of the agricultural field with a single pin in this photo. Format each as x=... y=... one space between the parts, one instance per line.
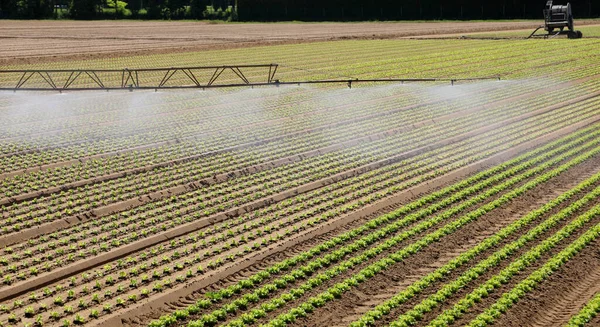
x=387 y=204
x=51 y=40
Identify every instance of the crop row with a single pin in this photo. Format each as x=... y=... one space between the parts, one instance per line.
x=507 y=300
x=422 y=225
x=112 y=281
x=529 y=258
x=494 y=259
x=335 y=291
x=47 y=211
x=102 y=231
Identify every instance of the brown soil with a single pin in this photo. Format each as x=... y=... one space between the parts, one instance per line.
x=562 y=295
x=26 y=42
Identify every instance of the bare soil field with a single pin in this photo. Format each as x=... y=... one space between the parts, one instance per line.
x=47 y=41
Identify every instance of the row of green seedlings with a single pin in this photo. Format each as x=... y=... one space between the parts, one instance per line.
x=121 y=300
x=175 y=268
x=534 y=279
x=392 y=227
x=318 y=210
x=412 y=317
x=335 y=291
x=57 y=213
x=370 y=318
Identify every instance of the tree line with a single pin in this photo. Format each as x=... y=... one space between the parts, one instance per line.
x=284 y=10
x=106 y=9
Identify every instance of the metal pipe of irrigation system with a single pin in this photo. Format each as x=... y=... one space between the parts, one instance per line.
x=276 y=83
x=132 y=79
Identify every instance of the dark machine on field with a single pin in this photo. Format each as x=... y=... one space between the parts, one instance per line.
x=557 y=18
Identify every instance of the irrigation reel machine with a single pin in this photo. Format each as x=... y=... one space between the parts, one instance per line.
x=557 y=18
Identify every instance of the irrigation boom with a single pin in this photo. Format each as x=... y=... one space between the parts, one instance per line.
x=198 y=77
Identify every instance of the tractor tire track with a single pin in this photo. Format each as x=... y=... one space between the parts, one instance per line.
x=562 y=296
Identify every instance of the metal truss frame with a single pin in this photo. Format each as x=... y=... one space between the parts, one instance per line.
x=130 y=78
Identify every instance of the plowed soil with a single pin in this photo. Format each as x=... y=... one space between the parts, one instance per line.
x=25 y=42
x=562 y=295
